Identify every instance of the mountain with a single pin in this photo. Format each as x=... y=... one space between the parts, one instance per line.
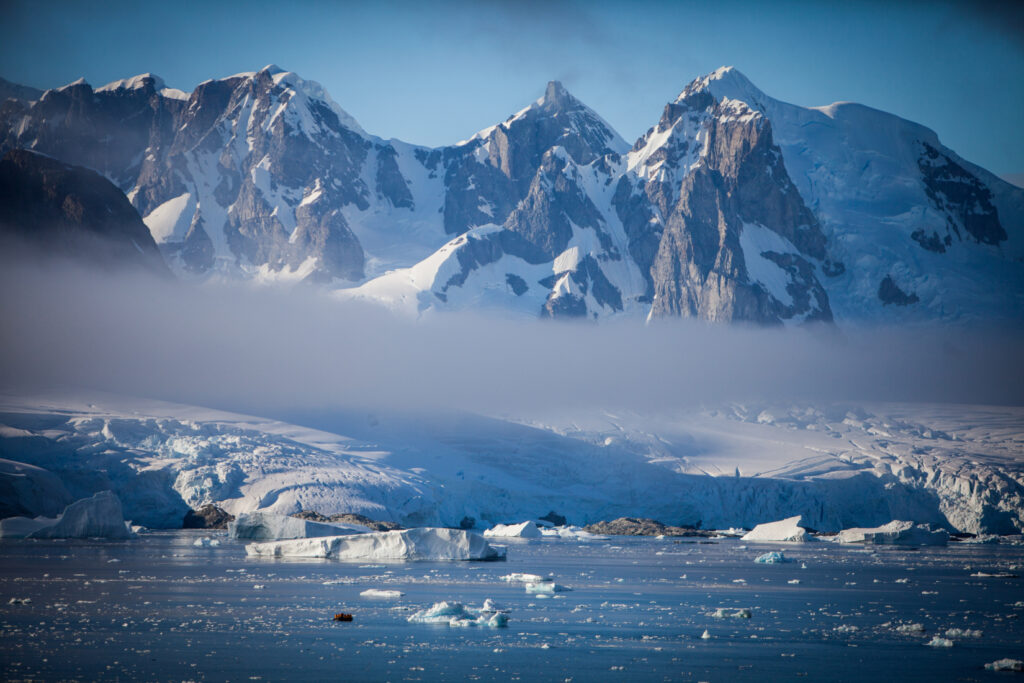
x=733 y=207
x=51 y=208
x=738 y=207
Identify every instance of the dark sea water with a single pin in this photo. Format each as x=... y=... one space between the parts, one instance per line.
x=160 y=608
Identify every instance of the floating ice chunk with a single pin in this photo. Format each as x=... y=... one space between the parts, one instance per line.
x=96 y=517
x=20 y=601
x=523 y=578
x=730 y=613
x=784 y=531
x=908 y=629
x=896 y=532
x=573 y=533
x=267 y=526
x=523 y=530
x=379 y=593
x=546 y=587
x=774 y=557
x=705 y=635
x=936 y=641
x=457 y=614
x=793 y=582
x=962 y=633
x=206 y=542
x=995 y=575
x=846 y=628
x=1005 y=665
x=425 y=543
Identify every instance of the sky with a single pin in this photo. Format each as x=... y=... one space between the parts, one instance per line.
x=434 y=73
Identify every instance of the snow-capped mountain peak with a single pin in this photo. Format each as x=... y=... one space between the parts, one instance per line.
x=146 y=80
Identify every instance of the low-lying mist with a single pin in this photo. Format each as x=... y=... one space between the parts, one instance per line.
x=268 y=350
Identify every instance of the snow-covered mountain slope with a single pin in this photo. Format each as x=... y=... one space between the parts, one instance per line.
x=733 y=207
x=957 y=466
x=740 y=207
x=914 y=230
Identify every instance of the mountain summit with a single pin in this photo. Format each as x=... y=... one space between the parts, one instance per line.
x=734 y=206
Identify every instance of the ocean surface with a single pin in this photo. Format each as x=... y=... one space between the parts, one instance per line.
x=161 y=608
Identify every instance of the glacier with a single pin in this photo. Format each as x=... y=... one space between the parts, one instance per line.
x=958 y=468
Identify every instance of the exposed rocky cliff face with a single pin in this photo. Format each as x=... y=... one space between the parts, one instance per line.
x=734 y=207
x=51 y=208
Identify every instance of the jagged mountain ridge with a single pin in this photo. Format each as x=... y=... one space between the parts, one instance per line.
x=734 y=207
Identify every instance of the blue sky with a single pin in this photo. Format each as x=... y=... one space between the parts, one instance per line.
x=434 y=73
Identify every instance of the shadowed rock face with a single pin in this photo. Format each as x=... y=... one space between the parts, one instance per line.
x=965 y=201
x=54 y=208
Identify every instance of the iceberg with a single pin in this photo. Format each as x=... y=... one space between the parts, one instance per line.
x=773 y=557
x=425 y=543
x=1005 y=665
x=523 y=530
x=728 y=613
x=96 y=517
x=457 y=614
x=784 y=531
x=380 y=593
x=267 y=526
x=896 y=532
x=546 y=587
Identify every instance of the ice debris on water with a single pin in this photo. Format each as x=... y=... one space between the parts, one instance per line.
x=20 y=601
x=546 y=587
x=963 y=633
x=774 y=557
x=793 y=582
x=516 y=577
x=705 y=635
x=206 y=542
x=380 y=593
x=728 y=613
x=1005 y=665
x=457 y=614
x=910 y=628
x=936 y=641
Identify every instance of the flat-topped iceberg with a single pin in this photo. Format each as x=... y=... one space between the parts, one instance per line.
x=784 y=531
x=267 y=526
x=896 y=532
x=96 y=517
x=408 y=544
x=523 y=530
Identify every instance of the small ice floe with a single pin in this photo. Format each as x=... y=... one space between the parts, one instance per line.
x=846 y=628
x=522 y=530
x=705 y=635
x=936 y=641
x=774 y=557
x=995 y=575
x=784 y=531
x=457 y=614
x=546 y=587
x=1005 y=665
x=383 y=594
x=20 y=601
x=517 y=577
x=963 y=633
x=908 y=629
x=793 y=582
x=730 y=613
x=896 y=532
x=571 y=533
x=258 y=587
x=206 y=542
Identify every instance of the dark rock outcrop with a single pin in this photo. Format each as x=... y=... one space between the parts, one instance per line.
x=348 y=518
x=634 y=526
x=207 y=517
x=50 y=208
